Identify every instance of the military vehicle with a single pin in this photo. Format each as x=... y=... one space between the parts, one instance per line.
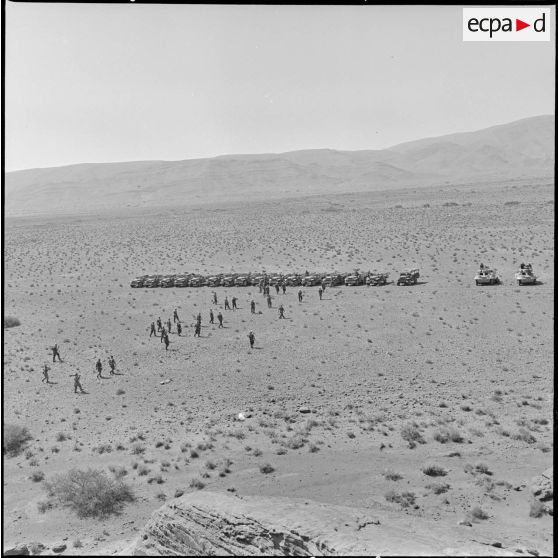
x=525 y=275
x=408 y=277
x=487 y=276
x=377 y=279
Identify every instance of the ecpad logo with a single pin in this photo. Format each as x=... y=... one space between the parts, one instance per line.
x=506 y=24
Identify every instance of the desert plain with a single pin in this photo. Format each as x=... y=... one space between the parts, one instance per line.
x=443 y=376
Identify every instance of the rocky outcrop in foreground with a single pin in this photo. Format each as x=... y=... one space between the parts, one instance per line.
x=209 y=524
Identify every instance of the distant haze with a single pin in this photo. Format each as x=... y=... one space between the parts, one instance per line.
x=130 y=82
x=521 y=149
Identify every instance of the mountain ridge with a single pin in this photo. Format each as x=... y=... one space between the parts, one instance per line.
x=520 y=149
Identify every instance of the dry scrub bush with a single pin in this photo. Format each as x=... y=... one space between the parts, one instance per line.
x=537 y=509
x=405 y=499
x=434 y=471
x=438 y=487
x=89 y=493
x=15 y=438
x=410 y=433
x=478 y=513
x=266 y=468
x=392 y=475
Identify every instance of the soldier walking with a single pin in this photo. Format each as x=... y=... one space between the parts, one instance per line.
x=167 y=342
x=234 y=299
x=220 y=318
x=211 y=317
x=197 y=330
x=268 y=300
x=112 y=364
x=214 y=297
x=253 y=307
x=277 y=288
x=45 y=373
x=153 y=331
x=281 y=312
x=169 y=324
x=198 y=319
x=55 y=353
x=175 y=315
x=159 y=324
x=99 y=367
x=320 y=292
x=163 y=333
x=252 y=339
x=227 y=305
x=179 y=328
x=284 y=286
x=77 y=383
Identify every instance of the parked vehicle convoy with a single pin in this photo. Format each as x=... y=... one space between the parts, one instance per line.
x=294 y=280
x=487 y=276
x=525 y=275
x=377 y=279
x=151 y=281
x=311 y=280
x=181 y=281
x=354 y=280
x=166 y=281
x=333 y=280
x=137 y=282
x=241 y=281
x=409 y=277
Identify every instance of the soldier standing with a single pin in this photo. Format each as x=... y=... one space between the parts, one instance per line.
x=277 y=288
x=252 y=339
x=323 y=286
x=167 y=342
x=281 y=312
x=163 y=333
x=179 y=328
x=159 y=324
x=197 y=330
x=175 y=316
x=211 y=317
x=253 y=307
x=77 y=383
x=214 y=297
x=99 y=367
x=169 y=324
x=227 y=305
x=198 y=319
x=112 y=364
x=45 y=374
x=320 y=291
x=268 y=300
x=55 y=353
x=153 y=331
x=220 y=318
x=284 y=286
x=299 y=295
x=234 y=299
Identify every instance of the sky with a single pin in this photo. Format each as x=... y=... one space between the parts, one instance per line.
x=129 y=82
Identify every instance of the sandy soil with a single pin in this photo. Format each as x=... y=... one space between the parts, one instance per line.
x=366 y=361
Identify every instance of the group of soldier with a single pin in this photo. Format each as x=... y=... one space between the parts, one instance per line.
x=77 y=384
x=163 y=329
x=158 y=328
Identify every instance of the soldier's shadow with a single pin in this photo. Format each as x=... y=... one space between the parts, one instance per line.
x=53 y=383
x=118 y=374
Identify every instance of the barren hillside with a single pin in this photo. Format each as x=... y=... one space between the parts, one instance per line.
x=521 y=149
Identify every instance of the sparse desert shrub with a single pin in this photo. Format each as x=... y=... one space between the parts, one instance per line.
x=483 y=468
x=266 y=468
x=405 y=499
x=392 y=475
x=210 y=465
x=89 y=493
x=143 y=470
x=11 y=321
x=37 y=476
x=120 y=392
x=15 y=438
x=77 y=543
x=197 y=483
x=103 y=448
x=434 y=471
x=525 y=436
x=438 y=487
x=537 y=509
x=44 y=505
x=194 y=454
x=118 y=472
x=178 y=492
x=295 y=442
x=479 y=513
x=313 y=448
x=138 y=449
x=410 y=433
x=61 y=437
